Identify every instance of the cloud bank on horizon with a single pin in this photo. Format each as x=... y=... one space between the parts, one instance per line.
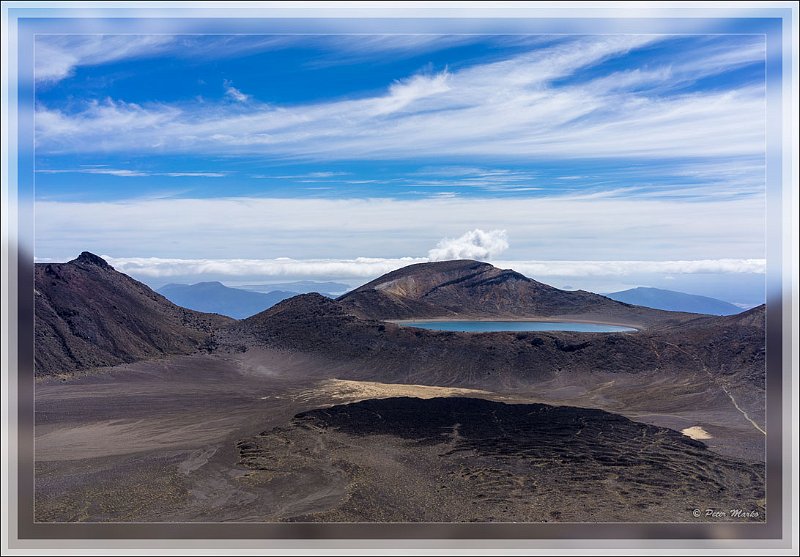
x=354 y=153
x=368 y=268
x=474 y=244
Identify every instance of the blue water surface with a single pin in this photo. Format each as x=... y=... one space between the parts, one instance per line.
x=494 y=326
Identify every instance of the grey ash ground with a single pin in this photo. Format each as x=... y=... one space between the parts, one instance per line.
x=215 y=438
x=321 y=410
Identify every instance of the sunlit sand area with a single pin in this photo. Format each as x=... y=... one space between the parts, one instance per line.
x=696 y=432
x=343 y=389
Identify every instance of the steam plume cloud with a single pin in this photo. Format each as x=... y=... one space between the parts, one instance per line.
x=475 y=244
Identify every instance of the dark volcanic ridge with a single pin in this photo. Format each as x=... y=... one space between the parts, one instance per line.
x=89 y=315
x=465 y=459
x=726 y=347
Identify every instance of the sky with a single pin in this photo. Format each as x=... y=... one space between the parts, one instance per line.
x=586 y=161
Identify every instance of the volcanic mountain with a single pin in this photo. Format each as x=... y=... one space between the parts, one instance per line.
x=469 y=289
x=89 y=315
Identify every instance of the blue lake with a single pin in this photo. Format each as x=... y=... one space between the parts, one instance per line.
x=494 y=326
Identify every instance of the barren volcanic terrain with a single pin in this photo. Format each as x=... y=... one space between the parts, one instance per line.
x=321 y=410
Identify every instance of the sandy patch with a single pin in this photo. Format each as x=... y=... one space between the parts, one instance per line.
x=696 y=432
x=341 y=389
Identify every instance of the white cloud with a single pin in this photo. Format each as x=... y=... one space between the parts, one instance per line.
x=714 y=59
x=233 y=93
x=126 y=173
x=56 y=56
x=192 y=174
x=475 y=244
x=346 y=50
x=324 y=174
x=308 y=177
x=403 y=93
x=509 y=108
x=105 y=122
x=623 y=268
x=105 y=171
x=702 y=62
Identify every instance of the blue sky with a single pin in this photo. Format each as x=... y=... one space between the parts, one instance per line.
x=333 y=149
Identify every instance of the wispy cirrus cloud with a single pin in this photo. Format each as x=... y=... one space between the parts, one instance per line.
x=509 y=108
x=192 y=174
x=57 y=56
x=234 y=93
x=308 y=176
x=707 y=60
x=406 y=92
x=345 y=50
x=127 y=173
x=717 y=58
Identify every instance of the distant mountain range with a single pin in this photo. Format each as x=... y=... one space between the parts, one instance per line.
x=300 y=287
x=242 y=302
x=674 y=301
x=215 y=297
